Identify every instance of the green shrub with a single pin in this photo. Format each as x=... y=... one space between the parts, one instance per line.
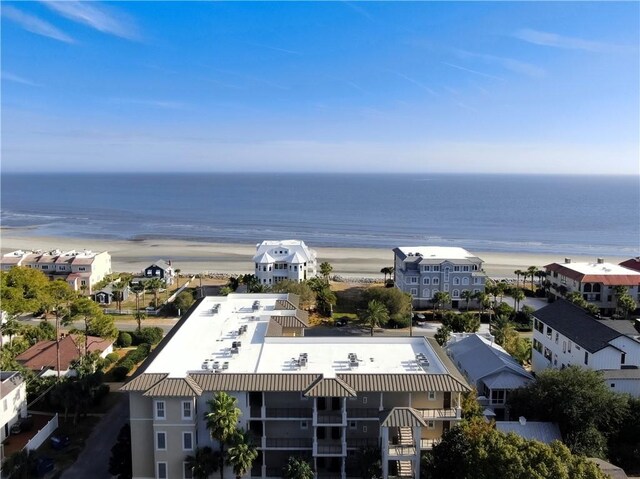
x=124 y=339
x=112 y=357
x=151 y=335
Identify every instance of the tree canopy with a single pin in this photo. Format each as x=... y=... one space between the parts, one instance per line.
x=398 y=304
x=476 y=450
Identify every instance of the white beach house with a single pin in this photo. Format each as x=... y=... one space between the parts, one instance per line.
x=276 y=261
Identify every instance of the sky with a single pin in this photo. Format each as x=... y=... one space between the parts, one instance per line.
x=496 y=87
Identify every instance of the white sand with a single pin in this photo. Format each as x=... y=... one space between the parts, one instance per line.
x=195 y=257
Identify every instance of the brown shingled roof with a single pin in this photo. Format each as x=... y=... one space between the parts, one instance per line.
x=606 y=279
x=143 y=381
x=633 y=263
x=42 y=355
x=284 y=304
x=403 y=382
x=175 y=387
x=402 y=417
x=254 y=382
x=329 y=387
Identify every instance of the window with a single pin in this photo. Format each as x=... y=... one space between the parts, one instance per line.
x=569 y=347
x=456 y=269
x=538 y=325
x=160 y=412
x=465 y=281
x=353 y=425
x=564 y=346
x=162 y=470
x=497 y=397
x=414 y=280
x=622 y=358
x=414 y=291
x=613 y=385
x=364 y=428
x=557 y=337
x=426 y=268
x=586 y=357
x=549 y=332
x=82 y=268
x=44 y=266
x=431 y=395
x=436 y=268
x=364 y=399
x=447 y=270
x=161 y=441
x=426 y=280
x=456 y=280
x=436 y=280
x=187 y=441
x=465 y=268
x=547 y=354
x=186 y=410
x=455 y=293
x=446 y=287
x=188 y=472
x=431 y=424
x=83 y=282
x=426 y=293
x=477 y=280
x=304 y=425
x=537 y=345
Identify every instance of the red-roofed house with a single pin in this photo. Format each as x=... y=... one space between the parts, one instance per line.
x=41 y=357
x=595 y=281
x=633 y=263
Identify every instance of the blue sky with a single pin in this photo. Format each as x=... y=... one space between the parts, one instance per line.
x=519 y=87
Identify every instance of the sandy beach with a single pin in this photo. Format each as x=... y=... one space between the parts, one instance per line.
x=194 y=257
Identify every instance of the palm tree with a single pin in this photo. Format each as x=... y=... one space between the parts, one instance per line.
x=222 y=422
x=502 y=329
x=387 y=270
x=540 y=274
x=518 y=295
x=177 y=272
x=375 y=315
x=518 y=273
x=531 y=271
x=203 y=463
x=467 y=295
x=118 y=294
x=11 y=327
x=155 y=285
x=241 y=455
x=297 y=469
x=441 y=299
x=326 y=269
x=59 y=295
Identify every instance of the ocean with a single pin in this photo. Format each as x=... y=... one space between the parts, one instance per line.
x=503 y=213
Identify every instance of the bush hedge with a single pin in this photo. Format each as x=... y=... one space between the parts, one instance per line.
x=124 y=339
x=150 y=335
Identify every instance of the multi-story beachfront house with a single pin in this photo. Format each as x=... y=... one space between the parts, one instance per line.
x=13 y=395
x=564 y=334
x=276 y=261
x=422 y=271
x=596 y=282
x=81 y=269
x=322 y=398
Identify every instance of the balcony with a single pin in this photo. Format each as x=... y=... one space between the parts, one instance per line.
x=333 y=448
x=427 y=444
x=360 y=442
x=330 y=418
x=363 y=413
x=440 y=414
x=288 y=413
x=289 y=443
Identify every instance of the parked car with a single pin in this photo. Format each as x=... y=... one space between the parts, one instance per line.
x=341 y=322
x=59 y=441
x=23 y=424
x=42 y=465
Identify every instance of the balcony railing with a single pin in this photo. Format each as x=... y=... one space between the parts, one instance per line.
x=329 y=448
x=289 y=412
x=290 y=442
x=449 y=413
x=358 y=413
x=427 y=444
x=401 y=451
x=330 y=418
x=359 y=442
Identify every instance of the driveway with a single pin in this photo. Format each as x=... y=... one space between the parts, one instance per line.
x=93 y=461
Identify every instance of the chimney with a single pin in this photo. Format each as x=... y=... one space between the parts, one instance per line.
x=600 y=260
x=522 y=420
x=567 y=260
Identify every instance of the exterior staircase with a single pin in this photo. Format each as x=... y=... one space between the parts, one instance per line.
x=405 y=469
x=406 y=436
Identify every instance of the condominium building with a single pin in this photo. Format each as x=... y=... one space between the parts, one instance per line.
x=81 y=269
x=321 y=398
x=564 y=335
x=596 y=282
x=422 y=271
x=276 y=261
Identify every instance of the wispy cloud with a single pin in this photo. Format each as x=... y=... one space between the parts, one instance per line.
x=415 y=82
x=35 y=24
x=476 y=72
x=163 y=104
x=358 y=9
x=516 y=66
x=99 y=17
x=277 y=49
x=556 y=40
x=18 y=79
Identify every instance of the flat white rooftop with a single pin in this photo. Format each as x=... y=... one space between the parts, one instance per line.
x=208 y=334
x=600 y=269
x=437 y=252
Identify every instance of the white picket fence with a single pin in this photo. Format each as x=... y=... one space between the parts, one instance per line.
x=42 y=435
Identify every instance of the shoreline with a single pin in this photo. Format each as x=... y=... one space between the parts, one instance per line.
x=193 y=257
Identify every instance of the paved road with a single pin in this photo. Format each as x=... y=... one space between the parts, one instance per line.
x=124 y=325
x=93 y=461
